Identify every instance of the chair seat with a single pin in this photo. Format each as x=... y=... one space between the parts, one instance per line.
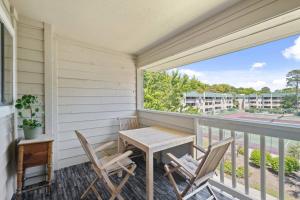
x=189 y=163
x=115 y=167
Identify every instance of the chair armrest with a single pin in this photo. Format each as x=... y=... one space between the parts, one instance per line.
x=116 y=159
x=104 y=146
x=181 y=164
x=199 y=148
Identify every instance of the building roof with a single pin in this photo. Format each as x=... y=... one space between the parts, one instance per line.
x=207 y=94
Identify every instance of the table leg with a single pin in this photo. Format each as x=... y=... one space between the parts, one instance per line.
x=149 y=175
x=20 y=173
x=49 y=166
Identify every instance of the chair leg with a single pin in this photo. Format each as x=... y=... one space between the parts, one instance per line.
x=88 y=189
x=173 y=182
x=115 y=191
x=211 y=192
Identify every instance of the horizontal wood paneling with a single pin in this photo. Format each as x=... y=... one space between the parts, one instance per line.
x=95 y=100
x=95 y=87
x=80 y=83
x=30 y=68
x=7 y=165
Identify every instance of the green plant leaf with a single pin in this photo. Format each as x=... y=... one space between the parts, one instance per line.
x=19 y=106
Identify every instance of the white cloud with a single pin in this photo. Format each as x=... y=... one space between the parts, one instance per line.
x=258 y=65
x=293 y=52
x=279 y=83
x=190 y=73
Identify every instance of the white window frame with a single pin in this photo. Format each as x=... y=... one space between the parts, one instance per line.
x=7 y=21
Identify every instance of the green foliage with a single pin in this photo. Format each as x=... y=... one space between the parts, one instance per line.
x=164 y=90
x=241 y=151
x=275 y=164
x=291 y=164
x=28 y=110
x=289 y=101
x=294 y=150
x=228 y=169
x=255 y=158
x=293 y=81
x=265 y=90
x=240 y=172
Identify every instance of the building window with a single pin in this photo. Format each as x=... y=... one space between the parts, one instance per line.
x=6 y=67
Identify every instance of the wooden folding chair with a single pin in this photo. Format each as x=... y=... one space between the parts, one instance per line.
x=197 y=172
x=128 y=123
x=106 y=167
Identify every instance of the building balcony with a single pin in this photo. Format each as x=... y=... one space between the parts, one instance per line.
x=256 y=182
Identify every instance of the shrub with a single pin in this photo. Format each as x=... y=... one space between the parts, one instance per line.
x=227 y=167
x=241 y=151
x=275 y=164
x=297 y=114
x=294 y=150
x=255 y=158
x=290 y=164
x=240 y=172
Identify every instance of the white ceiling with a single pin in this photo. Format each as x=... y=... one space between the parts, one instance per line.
x=129 y=26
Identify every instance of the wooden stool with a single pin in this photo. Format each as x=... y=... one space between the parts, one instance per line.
x=33 y=153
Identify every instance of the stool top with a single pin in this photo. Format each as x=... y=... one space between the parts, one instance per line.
x=41 y=139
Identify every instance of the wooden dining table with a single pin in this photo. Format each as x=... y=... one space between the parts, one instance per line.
x=154 y=139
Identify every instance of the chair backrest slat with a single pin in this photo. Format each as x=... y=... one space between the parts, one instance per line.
x=212 y=158
x=88 y=149
x=128 y=123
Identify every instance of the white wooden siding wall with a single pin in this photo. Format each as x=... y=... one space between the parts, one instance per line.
x=182 y=123
x=30 y=68
x=7 y=138
x=7 y=166
x=95 y=87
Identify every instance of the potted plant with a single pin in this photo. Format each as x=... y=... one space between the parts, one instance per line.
x=28 y=106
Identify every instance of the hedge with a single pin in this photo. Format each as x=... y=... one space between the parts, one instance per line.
x=291 y=164
x=228 y=169
x=255 y=158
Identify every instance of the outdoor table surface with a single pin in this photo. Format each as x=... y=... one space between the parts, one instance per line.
x=154 y=139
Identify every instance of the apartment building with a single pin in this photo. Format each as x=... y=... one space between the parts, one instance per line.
x=209 y=102
x=266 y=100
x=215 y=102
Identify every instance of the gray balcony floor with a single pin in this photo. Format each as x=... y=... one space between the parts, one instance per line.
x=71 y=182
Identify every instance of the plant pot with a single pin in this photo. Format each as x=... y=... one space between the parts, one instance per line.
x=32 y=133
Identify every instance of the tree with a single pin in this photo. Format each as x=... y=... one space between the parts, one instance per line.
x=265 y=90
x=294 y=151
x=288 y=101
x=293 y=81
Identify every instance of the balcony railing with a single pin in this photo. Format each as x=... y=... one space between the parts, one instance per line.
x=210 y=128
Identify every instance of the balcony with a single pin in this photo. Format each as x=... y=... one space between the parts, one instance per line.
x=87 y=70
x=257 y=182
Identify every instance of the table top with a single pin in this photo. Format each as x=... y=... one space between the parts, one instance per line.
x=156 y=138
x=40 y=139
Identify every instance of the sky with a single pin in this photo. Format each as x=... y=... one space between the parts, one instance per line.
x=256 y=67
